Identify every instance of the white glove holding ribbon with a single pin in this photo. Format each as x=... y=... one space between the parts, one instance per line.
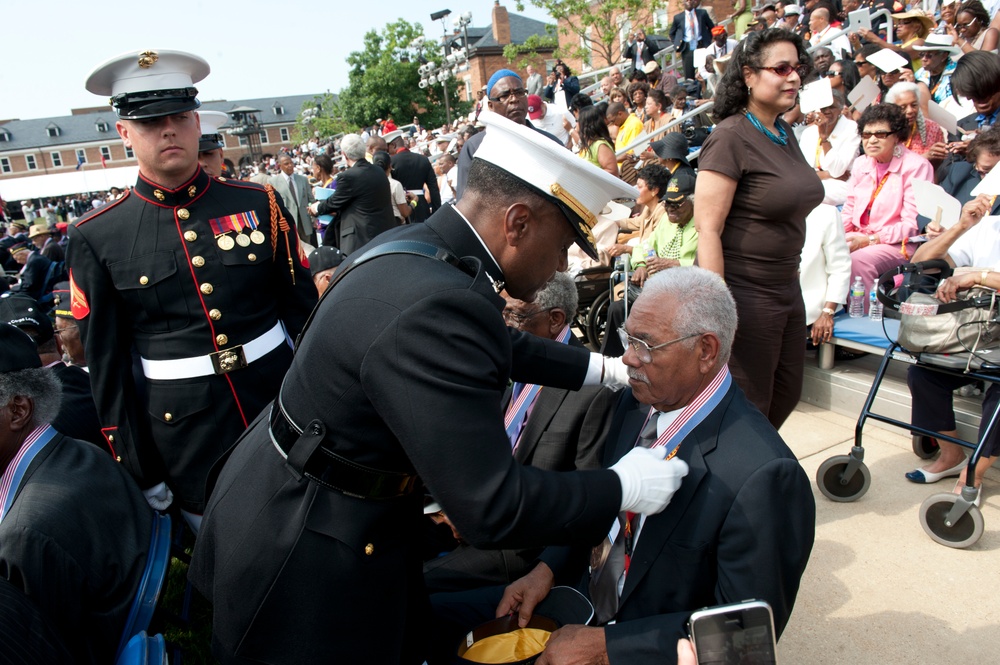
x=648 y=481
x=615 y=371
x=159 y=497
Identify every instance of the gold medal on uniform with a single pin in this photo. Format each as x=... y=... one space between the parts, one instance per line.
x=226 y=242
x=257 y=237
x=243 y=240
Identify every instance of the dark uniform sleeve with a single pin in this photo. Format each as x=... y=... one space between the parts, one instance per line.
x=432 y=186
x=418 y=373
x=105 y=328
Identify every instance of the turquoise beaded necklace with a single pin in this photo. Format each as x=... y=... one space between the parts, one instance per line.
x=781 y=139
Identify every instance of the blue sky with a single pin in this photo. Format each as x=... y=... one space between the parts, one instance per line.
x=291 y=47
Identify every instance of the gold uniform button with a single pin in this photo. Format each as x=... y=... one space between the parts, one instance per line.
x=158 y=194
x=206 y=288
x=118 y=459
x=144 y=280
x=168 y=417
x=190 y=236
x=369 y=549
x=198 y=261
x=252 y=257
x=192 y=190
x=111 y=438
x=221 y=340
x=183 y=213
x=215 y=314
x=221 y=179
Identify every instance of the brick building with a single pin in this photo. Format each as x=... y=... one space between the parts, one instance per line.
x=655 y=21
x=487 y=44
x=39 y=154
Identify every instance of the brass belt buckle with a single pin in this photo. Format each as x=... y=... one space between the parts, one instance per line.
x=228 y=360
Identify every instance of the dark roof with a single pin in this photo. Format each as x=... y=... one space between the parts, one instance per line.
x=74 y=129
x=521 y=27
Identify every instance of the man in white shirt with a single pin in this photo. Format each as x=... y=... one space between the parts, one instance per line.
x=830 y=145
x=819 y=26
x=551 y=118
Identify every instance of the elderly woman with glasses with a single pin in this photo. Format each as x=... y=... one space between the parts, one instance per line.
x=749 y=230
x=880 y=214
x=830 y=144
x=926 y=136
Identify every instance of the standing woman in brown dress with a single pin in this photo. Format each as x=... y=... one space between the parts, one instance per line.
x=753 y=193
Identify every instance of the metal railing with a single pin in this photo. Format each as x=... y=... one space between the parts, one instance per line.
x=593 y=90
x=703 y=108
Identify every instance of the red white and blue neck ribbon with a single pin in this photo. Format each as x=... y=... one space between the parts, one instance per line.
x=522 y=397
x=18 y=467
x=695 y=412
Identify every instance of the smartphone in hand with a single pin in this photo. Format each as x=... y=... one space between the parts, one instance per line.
x=737 y=634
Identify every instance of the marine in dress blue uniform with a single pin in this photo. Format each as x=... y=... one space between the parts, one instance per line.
x=200 y=286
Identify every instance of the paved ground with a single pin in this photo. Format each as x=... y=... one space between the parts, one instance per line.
x=878 y=589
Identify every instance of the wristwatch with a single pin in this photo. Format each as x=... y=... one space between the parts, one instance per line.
x=827 y=310
x=873 y=239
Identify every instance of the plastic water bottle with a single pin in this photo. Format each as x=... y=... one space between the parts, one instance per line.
x=856 y=301
x=874 y=305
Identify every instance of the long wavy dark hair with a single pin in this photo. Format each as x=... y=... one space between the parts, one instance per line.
x=592 y=126
x=731 y=95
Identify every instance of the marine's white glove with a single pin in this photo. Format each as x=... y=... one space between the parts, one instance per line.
x=648 y=482
x=159 y=497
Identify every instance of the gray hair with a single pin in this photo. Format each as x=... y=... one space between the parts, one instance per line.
x=702 y=303
x=353 y=147
x=559 y=292
x=901 y=88
x=40 y=385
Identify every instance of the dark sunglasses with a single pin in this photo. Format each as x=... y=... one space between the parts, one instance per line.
x=785 y=70
x=831 y=74
x=881 y=136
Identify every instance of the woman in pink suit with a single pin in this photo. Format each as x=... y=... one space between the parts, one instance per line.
x=880 y=214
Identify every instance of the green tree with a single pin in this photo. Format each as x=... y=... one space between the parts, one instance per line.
x=595 y=24
x=530 y=48
x=384 y=81
x=321 y=118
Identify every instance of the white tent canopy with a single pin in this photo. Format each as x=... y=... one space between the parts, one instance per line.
x=63 y=184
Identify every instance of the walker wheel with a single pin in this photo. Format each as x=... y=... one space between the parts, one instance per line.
x=924 y=447
x=829 y=477
x=965 y=532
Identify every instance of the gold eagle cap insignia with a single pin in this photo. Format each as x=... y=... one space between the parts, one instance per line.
x=588 y=234
x=147 y=58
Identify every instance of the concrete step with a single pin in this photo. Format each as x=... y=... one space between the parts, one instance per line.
x=844 y=389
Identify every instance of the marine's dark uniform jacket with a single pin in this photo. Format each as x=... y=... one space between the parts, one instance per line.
x=148 y=274
x=415 y=360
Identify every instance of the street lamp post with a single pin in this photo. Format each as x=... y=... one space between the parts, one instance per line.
x=453 y=62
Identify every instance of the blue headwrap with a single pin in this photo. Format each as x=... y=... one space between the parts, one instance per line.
x=501 y=74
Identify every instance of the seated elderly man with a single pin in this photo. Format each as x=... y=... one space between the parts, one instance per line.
x=670 y=245
x=74 y=527
x=740 y=526
x=549 y=428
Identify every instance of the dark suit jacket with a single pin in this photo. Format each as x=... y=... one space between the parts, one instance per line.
x=415 y=359
x=77 y=417
x=33 y=277
x=646 y=52
x=413 y=171
x=741 y=526
x=565 y=431
x=677 y=30
x=363 y=204
x=962 y=178
x=75 y=543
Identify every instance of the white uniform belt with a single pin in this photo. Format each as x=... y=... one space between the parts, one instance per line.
x=220 y=362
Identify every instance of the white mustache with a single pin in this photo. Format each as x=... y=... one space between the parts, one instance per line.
x=636 y=375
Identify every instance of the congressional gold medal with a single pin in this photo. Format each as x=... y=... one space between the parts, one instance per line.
x=243 y=240
x=257 y=237
x=226 y=242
